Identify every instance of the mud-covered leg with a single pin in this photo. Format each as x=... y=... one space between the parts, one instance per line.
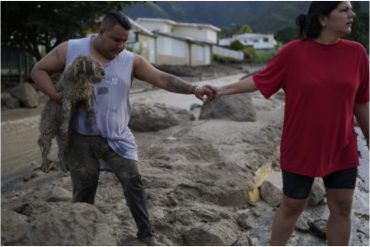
x=66 y=117
x=45 y=144
x=62 y=142
x=90 y=111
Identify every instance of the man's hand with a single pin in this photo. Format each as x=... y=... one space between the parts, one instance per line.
x=57 y=97
x=204 y=93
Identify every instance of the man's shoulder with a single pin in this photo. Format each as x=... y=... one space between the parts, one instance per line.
x=78 y=40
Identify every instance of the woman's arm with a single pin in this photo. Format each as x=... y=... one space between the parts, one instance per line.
x=362 y=116
x=245 y=85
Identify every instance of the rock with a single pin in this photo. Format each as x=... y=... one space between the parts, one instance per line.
x=195 y=106
x=9 y=101
x=253 y=241
x=280 y=95
x=271 y=194
x=210 y=235
x=146 y=117
x=244 y=221
x=237 y=107
x=23 y=208
x=318 y=228
x=26 y=94
x=13 y=227
x=303 y=223
x=317 y=193
x=70 y=224
x=58 y=194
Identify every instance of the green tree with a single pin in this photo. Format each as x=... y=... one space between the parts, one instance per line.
x=33 y=26
x=286 y=34
x=236 y=45
x=360 y=28
x=244 y=29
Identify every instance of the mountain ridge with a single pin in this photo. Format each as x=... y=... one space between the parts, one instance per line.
x=262 y=16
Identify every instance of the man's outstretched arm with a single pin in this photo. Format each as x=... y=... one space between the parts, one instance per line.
x=143 y=70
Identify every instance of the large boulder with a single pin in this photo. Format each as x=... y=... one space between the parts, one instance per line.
x=237 y=107
x=26 y=94
x=147 y=117
x=9 y=101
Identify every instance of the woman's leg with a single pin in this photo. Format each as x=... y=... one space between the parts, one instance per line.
x=339 y=192
x=338 y=229
x=285 y=219
x=296 y=189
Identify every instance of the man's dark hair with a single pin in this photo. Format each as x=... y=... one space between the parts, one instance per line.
x=113 y=18
x=309 y=25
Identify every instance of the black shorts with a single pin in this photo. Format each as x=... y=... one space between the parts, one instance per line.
x=298 y=186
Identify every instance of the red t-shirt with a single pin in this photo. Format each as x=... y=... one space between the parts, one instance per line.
x=322 y=83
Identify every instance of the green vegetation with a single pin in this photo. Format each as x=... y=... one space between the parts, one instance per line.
x=264 y=56
x=360 y=28
x=32 y=25
x=244 y=29
x=236 y=45
x=222 y=59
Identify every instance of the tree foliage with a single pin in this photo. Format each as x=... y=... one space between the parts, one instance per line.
x=236 y=45
x=244 y=29
x=29 y=25
x=360 y=28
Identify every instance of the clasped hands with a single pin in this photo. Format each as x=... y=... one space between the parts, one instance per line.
x=207 y=93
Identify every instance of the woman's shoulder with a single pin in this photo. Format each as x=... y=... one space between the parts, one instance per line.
x=291 y=46
x=354 y=44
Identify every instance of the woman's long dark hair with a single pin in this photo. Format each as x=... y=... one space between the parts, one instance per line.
x=309 y=24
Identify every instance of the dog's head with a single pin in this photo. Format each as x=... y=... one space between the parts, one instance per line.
x=87 y=67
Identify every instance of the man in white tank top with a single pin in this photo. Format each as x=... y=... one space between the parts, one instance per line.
x=109 y=139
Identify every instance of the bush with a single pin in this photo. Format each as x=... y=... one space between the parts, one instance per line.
x=264 y=56
x=236 y=45
x=250 y=53
x=222 y=59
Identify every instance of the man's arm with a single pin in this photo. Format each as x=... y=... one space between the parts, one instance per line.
x=53 y=62
x=143 y=70
x=362 y=116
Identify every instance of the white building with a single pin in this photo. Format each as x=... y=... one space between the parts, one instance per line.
x=257 y=40
x=163 y=41
x=197 y=31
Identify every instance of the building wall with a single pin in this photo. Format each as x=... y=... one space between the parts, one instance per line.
x=147 y=47
x=172 y=51
x=200 y=33
x=258 y=41
x=220 y=51
x=163 y=59
x=159 y=26
x=200 y=55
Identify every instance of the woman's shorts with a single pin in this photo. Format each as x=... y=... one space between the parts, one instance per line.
x=298 y=186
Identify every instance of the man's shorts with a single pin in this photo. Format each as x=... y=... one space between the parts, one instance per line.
x=298 y=186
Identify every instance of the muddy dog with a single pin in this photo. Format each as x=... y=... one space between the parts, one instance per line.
x=77 y=85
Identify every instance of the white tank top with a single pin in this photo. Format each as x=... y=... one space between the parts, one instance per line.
x=111 y=101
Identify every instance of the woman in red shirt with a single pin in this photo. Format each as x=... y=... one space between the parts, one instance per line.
x=326 y=83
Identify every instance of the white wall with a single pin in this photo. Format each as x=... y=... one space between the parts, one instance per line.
x=220 y=51
x=156 y=26
x=171 y=47
x=201 y=33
